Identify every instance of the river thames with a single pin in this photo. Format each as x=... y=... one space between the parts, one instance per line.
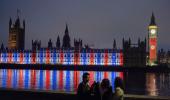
x=144 y=83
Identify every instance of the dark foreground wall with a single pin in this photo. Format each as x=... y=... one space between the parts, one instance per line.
x=42 y=95
x=31 y=95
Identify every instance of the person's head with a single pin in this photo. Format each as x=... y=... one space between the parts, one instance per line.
x=86 y=77
x=119 y=83
x=105 y=83
x=119 y=91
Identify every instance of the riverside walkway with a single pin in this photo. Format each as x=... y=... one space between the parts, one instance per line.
x=8 y=94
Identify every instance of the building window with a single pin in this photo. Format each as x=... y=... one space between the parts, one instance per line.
x=13 y=37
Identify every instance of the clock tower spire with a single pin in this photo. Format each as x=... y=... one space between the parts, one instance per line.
x=152 y=41
x=152 y=20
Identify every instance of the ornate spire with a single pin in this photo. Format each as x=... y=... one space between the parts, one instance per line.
x=2 y=46
x=129 y=41
x=10 y=22
x=114 y=44
x=17 y=22
x=50 y=45
x=58 y=42
x=139 y=41
x=66 y=30
x=152 y=19
x=24 y=24
x=66 y=39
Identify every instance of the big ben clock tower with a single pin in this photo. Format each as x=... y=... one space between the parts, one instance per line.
x=152 y=41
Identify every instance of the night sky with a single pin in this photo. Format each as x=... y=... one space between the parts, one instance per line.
x=96 y=22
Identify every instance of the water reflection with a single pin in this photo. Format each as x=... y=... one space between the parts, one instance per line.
x=158 y=84
x=151 y=87
x=152 y=84
x=135 y=82
x=50 y=79
x=163 y=84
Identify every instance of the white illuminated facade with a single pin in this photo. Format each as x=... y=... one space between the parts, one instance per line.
x=64 y=57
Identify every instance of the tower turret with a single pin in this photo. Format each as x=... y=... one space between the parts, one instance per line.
x=66 y=30
x=16 y=38
x=2 y=47
x=138 y=41
x=129 y=41
x=152 y=22
x=50 y=44
x=17 y=23
x=10 y=23
x=58 y=42
x=66 y=39
x=24 y=25
x=114 y=44
x=152 y=41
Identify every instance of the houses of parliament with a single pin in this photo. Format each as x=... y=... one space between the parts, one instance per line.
x=16 y=38
x=137 y=54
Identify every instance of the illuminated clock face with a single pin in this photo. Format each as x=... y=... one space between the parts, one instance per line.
x=153 y=31
x=152 y=47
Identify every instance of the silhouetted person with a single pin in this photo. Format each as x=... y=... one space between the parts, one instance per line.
x=119 y=83
x=106 y=90
x=83 y=91
x=95 y=91
x=119 y=94
x=119 y=89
